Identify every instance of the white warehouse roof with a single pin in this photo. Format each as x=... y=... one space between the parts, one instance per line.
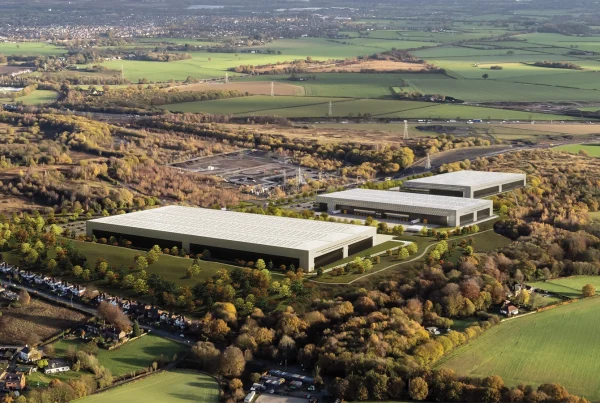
x=469 y=178
x=283 y=232
x=417 y=200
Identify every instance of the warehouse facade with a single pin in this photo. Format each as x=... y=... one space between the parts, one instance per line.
x=407 y=207
x=471 y=184
x=230 y=236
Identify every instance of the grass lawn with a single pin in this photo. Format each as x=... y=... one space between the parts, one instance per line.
x=39 y=317
x=38 y=97
x=593 y=150
x=41 y=380
x=140 y=353
x=172 y=268
x=555 y=346
x=172 y=386
x=30 y=49
x=568 y=286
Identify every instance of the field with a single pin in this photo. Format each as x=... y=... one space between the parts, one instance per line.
x=140 y=353
x=30 y=49
x=37 y=97
x=555 y=346
x=177 y=386
x=170 y=267
x=593 y=150
x=38 y=318
x=304 y=107
x=254 y=88
x=568 y=286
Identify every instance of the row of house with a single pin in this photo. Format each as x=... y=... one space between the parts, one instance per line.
x=137 y=310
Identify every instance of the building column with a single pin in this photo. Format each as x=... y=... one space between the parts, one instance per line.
x=345 y=254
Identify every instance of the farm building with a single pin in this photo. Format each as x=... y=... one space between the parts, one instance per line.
x=229 y=236
x=408 y=207
x=470 y=184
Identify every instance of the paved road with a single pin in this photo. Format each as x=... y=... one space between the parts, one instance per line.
x=394 y=265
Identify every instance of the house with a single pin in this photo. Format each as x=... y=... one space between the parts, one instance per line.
x=433 y=330
x=509 y=310
x=14 y=381
x=56 y=366
x=28 y=354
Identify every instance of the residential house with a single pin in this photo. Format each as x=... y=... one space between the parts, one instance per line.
x=28 y=354
x=56 y=366
x=509 y=310
x=14 y=381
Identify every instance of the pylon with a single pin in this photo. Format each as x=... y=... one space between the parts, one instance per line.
x=428 y=162
x=330 y=109
x=272 y=89
x=405 y=137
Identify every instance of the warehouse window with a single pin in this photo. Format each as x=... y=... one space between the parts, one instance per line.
x=360 y=246
x=330 y=257
x=486 y=191
x=137 y=241
x=481 y=214
x=467 y=219
x=235 y=256
x=443 y=192
x=512 y=185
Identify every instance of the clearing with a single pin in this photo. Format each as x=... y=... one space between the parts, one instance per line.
x=17 y=325
x=170 y=386
x=593 y=150
x=555 y=346
x=132 y=356
x=567 y=286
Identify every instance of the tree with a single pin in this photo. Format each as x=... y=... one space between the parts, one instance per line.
x=418 y=388
x=141 y=263
x=232 y=362
x=114 y=315
x=588 y=290
x=319 y=271
x=24 y=297
x=260 y=264
x=207 y=355
x=485 y=76
x=136 y=329
x=140 y=286
x=403 y=254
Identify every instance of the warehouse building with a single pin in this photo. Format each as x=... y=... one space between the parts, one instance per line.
x=407 y=207
x=230 y=236
x=471 y=184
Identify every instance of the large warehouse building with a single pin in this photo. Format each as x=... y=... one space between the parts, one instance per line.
x=427 y=209
x=230 y=235
x=471 y=184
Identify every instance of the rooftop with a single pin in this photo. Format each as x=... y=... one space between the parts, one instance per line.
x=469 y=178
x=410 y=199
x=293 y=233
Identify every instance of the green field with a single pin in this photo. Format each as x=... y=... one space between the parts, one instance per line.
x=39 y=97
x=555 y=346
x=568 y=286
x=135 y=355
x=30 y=49
x=593 y=150
x=301 y=107
x=208 y=65
x=170 y=267
x=172 y=386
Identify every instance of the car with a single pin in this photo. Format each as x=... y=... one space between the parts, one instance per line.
x=272 y=391
x=182 y=335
